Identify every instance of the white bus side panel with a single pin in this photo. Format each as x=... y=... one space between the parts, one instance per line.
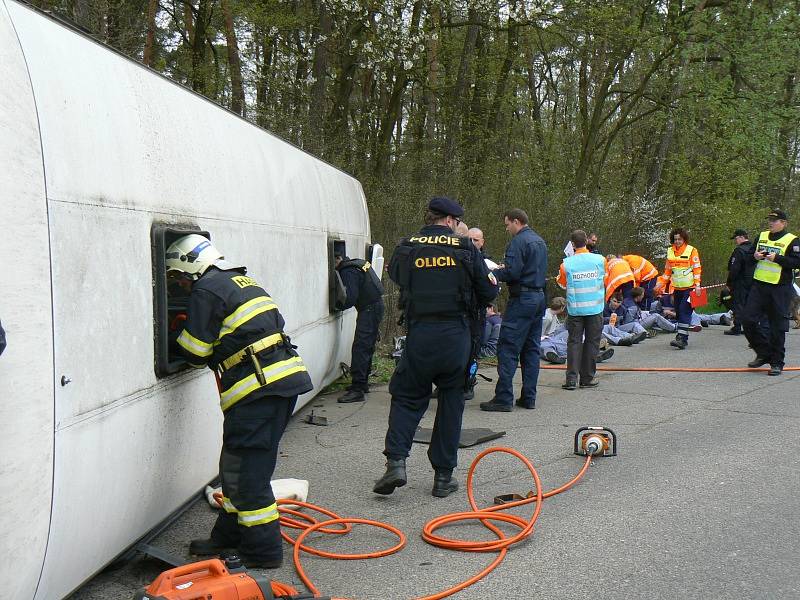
x=26 y=366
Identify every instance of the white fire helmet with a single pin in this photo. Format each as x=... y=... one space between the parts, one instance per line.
x=192 y=255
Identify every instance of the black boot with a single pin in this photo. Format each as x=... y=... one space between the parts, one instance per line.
x=206 y=547
x=443 y=483
x=394 y=477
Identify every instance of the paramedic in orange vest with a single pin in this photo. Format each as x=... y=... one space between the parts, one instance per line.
x=682 y=270
x=777 y=253
x=618 y=277
x=645 y=276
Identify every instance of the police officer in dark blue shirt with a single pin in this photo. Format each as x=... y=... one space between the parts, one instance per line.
x=524 y=270
x=441 y=276
x=364 y=291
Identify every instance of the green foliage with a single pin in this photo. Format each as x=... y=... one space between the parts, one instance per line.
x=626 y=117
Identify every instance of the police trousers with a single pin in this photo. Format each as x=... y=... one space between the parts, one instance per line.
x=436 y=352
x=366 y=335
x=774 y=301
x=520 y=336
x=250 y=436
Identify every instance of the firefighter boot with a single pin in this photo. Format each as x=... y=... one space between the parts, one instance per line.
x=443 y=483
x=206 y=547
x=394 y=477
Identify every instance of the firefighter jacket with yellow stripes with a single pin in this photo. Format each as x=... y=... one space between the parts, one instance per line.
x=229 y=312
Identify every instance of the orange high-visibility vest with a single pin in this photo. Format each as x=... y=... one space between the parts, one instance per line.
x=643 y=269
x=682 y=268
x=618 y=272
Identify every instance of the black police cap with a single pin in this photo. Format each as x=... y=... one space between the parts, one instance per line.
x=738 y=232
x=446 y=206
x=777 y=213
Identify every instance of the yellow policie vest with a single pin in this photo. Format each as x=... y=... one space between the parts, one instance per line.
x=766 y=271
x=682 y=273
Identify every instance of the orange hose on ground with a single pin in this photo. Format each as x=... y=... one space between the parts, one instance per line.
x=676 y=369
x=486 y=516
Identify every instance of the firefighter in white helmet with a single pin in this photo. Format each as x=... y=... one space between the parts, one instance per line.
x=233 y=326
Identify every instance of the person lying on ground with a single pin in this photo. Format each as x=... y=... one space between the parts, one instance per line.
x=553 y=348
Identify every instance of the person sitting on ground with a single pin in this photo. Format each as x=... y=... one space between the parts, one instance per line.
x=613 y=329
x=552 y=316
x=491 y=332
x=651 y=321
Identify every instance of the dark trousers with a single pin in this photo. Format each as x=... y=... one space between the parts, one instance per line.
x=683 y=311
x=436 y=352
x=250 y=436
x=366 y=335
x=740 y=293
x=774 y=301
x=648 y=287
x=583 y=344
x=520 y=336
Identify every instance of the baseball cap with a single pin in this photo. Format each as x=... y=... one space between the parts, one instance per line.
x=738 y=232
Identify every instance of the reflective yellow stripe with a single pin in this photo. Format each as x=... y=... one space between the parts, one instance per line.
x=257 y=347
x=245 y=312
x=249 y=518
x=272 y=373
x=191 y=344
x=228 y=505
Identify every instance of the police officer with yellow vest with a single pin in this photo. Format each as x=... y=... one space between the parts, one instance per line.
x=234 y=327
x=441 y=276
x=777 y=253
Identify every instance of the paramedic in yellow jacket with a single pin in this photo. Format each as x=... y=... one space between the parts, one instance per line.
x=682 y=272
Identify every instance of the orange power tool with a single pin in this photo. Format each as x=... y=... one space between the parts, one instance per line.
x=211 y=580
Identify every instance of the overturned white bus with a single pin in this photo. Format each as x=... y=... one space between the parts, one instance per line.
x=103 y=432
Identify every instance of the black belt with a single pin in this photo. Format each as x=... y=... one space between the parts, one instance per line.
x=525 y=288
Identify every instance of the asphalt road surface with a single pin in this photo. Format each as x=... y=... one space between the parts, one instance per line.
x=701 y=502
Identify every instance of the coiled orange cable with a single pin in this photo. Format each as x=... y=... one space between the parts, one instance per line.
x=337 y=525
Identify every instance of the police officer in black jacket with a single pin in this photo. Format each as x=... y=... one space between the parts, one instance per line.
x=364 y=291
x=440 y=276
x=740 y=277
x=234 y=328
x=777 y=254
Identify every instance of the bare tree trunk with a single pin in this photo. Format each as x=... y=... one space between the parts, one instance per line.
x=81 y=14
x=199 y=79
x=668 y=132
x=512 y=50
x=150 y=40
x=459 y=94
x=394 y=108
x=234 y=62
x=319 y=70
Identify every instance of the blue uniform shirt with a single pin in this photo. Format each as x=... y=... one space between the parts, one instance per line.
x=525 y=261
